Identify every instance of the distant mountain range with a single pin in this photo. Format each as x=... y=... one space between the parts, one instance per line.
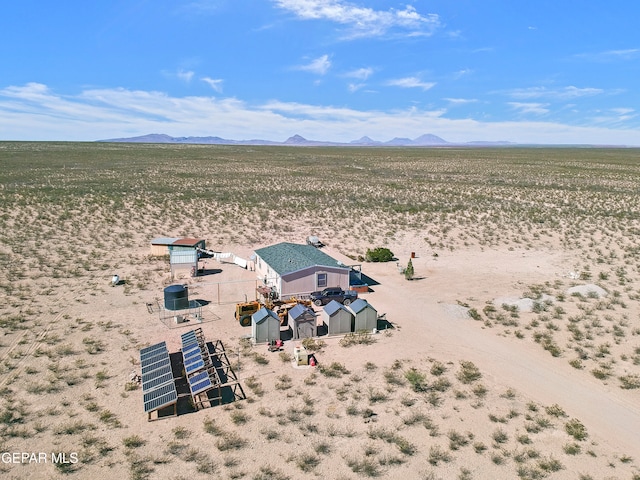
x=426 y=140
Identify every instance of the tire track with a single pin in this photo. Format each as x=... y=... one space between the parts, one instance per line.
x=37 y=343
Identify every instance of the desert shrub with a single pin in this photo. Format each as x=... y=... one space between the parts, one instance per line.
x=417 y=379
x=468 y=372
x=379 y=254
x=437 y=455
x=576 y=429
x=334 y=370
x=630 y=381
x=133 y=441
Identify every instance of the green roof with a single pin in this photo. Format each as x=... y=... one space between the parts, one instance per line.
x=286 y=257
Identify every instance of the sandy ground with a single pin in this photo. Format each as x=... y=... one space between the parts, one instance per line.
x=303 y=423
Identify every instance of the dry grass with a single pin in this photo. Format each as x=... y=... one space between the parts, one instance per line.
x=71 y=215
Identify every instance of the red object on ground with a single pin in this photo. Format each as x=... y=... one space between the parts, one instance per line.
x=312 y=362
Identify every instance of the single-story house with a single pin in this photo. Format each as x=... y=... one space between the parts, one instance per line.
x=337 y=318
x=293 y=270
x=265 y=326
x=303 y=322
x=365 y=316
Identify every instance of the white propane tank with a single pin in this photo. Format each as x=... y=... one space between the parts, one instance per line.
x=115 y=280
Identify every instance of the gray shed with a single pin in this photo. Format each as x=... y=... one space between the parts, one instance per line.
x=265 y=326
x=337 y=318
x=303 y=323
x=366 y=317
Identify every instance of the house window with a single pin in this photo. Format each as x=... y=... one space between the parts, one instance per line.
x=321 y=280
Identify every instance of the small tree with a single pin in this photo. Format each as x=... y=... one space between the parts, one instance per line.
x=379 y=254
x=408 y=272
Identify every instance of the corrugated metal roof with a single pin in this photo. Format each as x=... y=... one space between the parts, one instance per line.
x=358 y=305
x=299 y=311
x=332 y=307
x=264 y=313
x=164 y=240
x=287 y=257
x=188 y=242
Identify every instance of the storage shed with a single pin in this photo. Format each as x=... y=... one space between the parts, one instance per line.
x=337 y=318
x=160 y=246
x=365 y=316
x=265 y=326
x=293 y=270
x=188 y=244
x=302 y=322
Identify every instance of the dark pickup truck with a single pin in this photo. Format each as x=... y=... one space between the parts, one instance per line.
x=334 y=293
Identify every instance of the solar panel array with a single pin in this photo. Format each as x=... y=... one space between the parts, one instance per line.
x=197 y=361
x=158 y=385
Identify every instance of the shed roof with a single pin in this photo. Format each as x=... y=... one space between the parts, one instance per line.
x=164 y=240
x=360 y=304
x=300 y=310
x=264 y=313
x=287 y=257
x=332 y=307
x=188 y=242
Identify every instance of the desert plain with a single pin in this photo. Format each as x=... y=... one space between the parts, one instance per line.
x=513 y=353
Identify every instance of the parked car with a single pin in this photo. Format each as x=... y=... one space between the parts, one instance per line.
x=333 y=293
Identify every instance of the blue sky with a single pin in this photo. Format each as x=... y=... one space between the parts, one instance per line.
x=528 y=72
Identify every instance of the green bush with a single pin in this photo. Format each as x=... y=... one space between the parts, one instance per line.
x=379 y=254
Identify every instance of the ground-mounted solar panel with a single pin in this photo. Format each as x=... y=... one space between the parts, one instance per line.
x=156 y=365
x=191 y=354
x=192 y=360
x=194 y=367
x=201 y=386
x=152 y=352
x=188 y=335
x=157 y=381
x=189 y=348
x=155 y=358
x=158 y=372
x=160 y=397
x=151 y=348
x=198 y=377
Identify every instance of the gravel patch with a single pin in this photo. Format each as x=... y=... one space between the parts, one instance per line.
x=588 y=289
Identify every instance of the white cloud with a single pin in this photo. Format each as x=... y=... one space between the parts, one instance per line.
x=360 y=73
x=564 y=93
x=185 y=76
x=410 y=82
x=363 y=21
x=525 y=108
x=319 y=66
x=35 y=112
x=214 y=83
x=611 y=55
x=460 y=101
